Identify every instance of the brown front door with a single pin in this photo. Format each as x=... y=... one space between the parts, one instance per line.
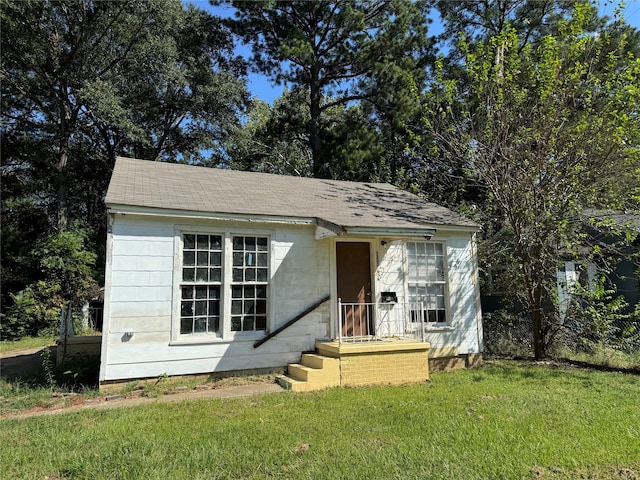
x=353 y=264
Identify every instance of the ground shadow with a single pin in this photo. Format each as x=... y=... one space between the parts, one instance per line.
x=24 y=364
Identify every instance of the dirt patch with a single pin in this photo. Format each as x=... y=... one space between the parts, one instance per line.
x=78 y=402
x=21 y=365
x=543 y=473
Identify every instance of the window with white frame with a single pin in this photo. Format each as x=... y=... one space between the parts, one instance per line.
x=427 y=284
x=201 y=284
x=249 y=284
x=219 y=265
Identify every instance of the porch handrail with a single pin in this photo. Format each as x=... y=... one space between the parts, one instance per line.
x=393 y=319
x=292 y=321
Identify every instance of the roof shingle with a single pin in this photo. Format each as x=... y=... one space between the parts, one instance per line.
x=143 y=183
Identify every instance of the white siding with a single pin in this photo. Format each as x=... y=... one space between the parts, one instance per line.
x=464 y=330
x=138 y=324
x=390 y=276
x=140 y=303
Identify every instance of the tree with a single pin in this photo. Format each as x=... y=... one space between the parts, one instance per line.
x=273 y=138
x=531 y=19
x=146 y=77
x=341 y=52
x=51 y=51
x=549 y=129
x=84 y=81
x=66 y=279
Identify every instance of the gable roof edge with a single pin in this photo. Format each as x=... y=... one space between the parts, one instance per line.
x=198 y=215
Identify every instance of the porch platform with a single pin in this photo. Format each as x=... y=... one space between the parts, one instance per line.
x=389 y=361
x=89 y=346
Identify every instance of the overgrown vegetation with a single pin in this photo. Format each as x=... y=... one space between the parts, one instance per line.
x=540 y=125
x=594 y=332
x=75 y=383
x=596 y=321
x=47 y=384
x=506 y=420
x=66 y=280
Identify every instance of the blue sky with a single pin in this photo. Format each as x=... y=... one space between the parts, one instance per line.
x=261 y=87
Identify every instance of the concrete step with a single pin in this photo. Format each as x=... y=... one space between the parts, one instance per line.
x=302 y=373
x=293 y=385
x=314 y=372
x=314 y=360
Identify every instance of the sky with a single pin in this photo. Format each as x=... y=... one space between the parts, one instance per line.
x=261 y=87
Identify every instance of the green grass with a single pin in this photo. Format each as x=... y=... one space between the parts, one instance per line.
x=25 y=343
x=606 y=357
x=17 y=394
x=506 y=420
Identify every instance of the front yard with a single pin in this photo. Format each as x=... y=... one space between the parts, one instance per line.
x=506 y=420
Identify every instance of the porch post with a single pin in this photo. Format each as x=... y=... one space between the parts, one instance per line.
x=339 y=320
x=422 y=321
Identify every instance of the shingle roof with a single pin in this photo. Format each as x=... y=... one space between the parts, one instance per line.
x=142 y=183
x=629 y=220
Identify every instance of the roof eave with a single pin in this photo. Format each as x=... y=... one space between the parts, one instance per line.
x=326 y=228
x=200 y=215
x=392 y=231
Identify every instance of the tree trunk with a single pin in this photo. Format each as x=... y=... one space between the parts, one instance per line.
x=63 y=190
x=315 y=135
x=539 y=350
x=533 y=279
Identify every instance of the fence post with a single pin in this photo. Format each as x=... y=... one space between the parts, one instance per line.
x=63 y=323
x=85 y=315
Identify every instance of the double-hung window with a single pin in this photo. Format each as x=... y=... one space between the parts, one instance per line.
x=201 y=286
x=426 y=282
x=224 y=284
x=249 y=284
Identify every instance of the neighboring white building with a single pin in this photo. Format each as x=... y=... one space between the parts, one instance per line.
x=202 y=263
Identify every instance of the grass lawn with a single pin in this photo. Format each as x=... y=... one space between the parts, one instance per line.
x=506 y=420
x=607 y=357
x=25 y=343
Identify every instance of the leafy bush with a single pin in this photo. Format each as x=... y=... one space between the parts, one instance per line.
x=36 y=310
x=65 y=266
x=78 y=371
x=595 y=320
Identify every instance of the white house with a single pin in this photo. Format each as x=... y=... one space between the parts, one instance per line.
x=204 y=265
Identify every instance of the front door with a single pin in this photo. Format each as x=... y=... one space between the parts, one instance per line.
x=353 y=265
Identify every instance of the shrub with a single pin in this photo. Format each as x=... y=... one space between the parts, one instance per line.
x=65 y=266
x=596 y=320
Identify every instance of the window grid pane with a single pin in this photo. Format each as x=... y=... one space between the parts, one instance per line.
x=201 y=284
x=426 y=282
x=250 y=276
x=201 y=308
